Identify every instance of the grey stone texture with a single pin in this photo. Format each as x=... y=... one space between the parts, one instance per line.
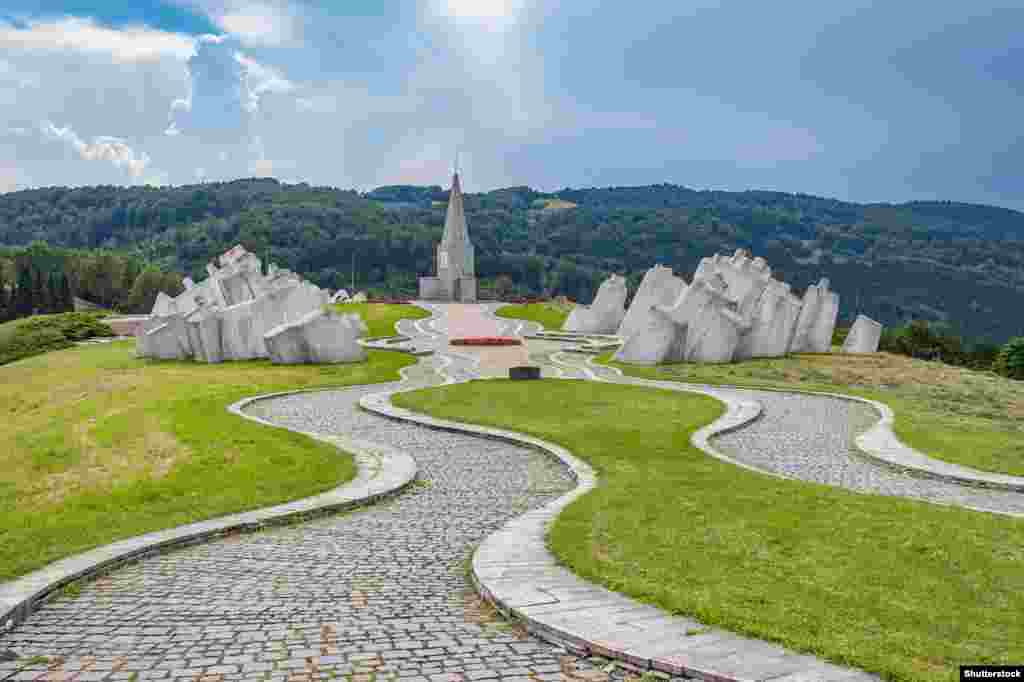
x=319 y=337
x=455 y=264
x=658 y=287
x=864 y=336
x=605 y=314
x=227 y=316
x=733 y=310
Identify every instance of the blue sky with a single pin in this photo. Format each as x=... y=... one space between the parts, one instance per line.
x=854 y=99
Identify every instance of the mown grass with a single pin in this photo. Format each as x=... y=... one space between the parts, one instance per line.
x=382 y=317
x=905 y=589
x=971 y=418
x=550 y=315
x=96 y=445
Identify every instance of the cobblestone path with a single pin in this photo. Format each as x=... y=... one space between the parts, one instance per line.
x=378 y=594
x=383 y=593
x=812 y=438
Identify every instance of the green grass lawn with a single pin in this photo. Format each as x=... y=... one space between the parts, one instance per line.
x=550 y=314
x=96 y=445
x=37 y=334
x=901 y=588
x=381 y=317
x=971 y=418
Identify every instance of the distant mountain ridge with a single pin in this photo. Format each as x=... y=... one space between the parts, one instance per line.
x=942 y=261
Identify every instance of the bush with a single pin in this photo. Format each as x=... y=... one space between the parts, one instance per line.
x=43 y=333
x=1010 y=361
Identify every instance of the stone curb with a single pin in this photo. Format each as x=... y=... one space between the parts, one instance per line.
x=513 y=570
x=880 y=443
x=382 y=472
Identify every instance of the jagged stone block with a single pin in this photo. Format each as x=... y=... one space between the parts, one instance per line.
x=320 y=337
x=605 y=314
x=864 y=336
x=658 y=287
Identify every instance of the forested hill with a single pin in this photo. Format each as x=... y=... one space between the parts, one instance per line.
x=958 y=263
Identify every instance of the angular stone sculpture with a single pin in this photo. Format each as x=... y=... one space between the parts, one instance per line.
x=733 y=310
x=817 y=320
x=227 y=316
x=658 y=287
x=318 y=337
x=605 y=314
x=340 y=296
x=864 y=336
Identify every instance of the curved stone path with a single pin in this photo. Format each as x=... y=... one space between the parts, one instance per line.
x=811 y=438
x=383 y=593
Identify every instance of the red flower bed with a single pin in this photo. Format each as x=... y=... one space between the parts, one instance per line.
x=487 y=341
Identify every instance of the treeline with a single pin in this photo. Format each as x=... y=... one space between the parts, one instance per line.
x=957 y=264
x=923 y=340
x=41 y=279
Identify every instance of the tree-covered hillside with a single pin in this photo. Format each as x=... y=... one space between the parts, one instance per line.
x=947 y=262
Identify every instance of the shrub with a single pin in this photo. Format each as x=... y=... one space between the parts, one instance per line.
x=1010 y=361
x=43 y=333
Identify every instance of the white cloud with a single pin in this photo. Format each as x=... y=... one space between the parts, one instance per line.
x=260 y=80
x=103 y=148
x=84 y=35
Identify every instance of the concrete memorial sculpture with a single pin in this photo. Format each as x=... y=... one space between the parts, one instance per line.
x=733 y=310
x=658 y=287
x=456 y=261
x=605 y=314
x=319 y=337
x=864 y=336
x=228 y=315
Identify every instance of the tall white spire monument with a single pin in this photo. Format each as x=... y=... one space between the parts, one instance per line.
x=456 y=261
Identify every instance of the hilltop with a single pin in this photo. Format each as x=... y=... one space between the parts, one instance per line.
x=962 y=264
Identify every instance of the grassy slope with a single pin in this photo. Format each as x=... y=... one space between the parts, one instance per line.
x=550 y=315
x=902 y=588
x=971 y=418
x=381 y=317
x=97 y=445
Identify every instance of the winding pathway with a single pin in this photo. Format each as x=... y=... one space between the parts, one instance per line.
x=383 y=593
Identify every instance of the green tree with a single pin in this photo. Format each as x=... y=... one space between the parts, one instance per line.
x=1010 y=362
x=23 y=292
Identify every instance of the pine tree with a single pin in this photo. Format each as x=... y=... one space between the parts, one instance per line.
x=5 y=301
x=67 y=301
x=23 y=292
x=40 y=303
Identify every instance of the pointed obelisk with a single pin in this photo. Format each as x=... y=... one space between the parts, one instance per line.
x=456 y=261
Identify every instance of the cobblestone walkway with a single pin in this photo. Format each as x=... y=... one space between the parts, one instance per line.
x=812 y=438
x=380 y=594
x=383 y=593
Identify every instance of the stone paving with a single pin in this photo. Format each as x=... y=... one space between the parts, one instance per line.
x=383 y=593
x=812 y=438
x=379 y=594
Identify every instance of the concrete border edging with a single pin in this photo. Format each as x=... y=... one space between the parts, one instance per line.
x=383 y=471
x=513 y=570
x=880 y=443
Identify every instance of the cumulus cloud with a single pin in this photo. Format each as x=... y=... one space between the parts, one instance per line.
x=103 y=148
x=225 y=89
x=84 y=35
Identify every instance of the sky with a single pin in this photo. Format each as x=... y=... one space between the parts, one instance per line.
x=860 y=100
